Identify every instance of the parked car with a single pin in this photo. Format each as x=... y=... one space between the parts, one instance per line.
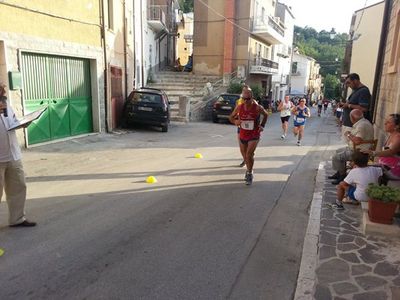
x=224 y=106
x=147 y=106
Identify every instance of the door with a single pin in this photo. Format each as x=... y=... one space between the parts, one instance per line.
x=62 y=84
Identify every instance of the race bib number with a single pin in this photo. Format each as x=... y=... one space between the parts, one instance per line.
x=247 y=125
x=300 y=120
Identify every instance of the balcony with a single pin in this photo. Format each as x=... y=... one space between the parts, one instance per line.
x=156 y=18
x=264 y=66
x=284 y=51
x=268 y=29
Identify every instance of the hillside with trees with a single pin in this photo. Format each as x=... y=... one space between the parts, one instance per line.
x=328 y=50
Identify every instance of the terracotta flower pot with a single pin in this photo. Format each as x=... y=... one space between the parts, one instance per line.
x=381 y=212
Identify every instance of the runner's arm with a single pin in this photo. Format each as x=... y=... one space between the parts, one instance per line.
x=265 y=114
x=308 y=112
x=233 y=115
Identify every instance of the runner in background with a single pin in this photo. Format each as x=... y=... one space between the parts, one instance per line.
x=301 y=112
x=285 y=107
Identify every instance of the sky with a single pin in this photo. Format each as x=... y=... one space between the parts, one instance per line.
x=326 y=14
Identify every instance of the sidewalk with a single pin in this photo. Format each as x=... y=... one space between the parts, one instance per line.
x=339 y=261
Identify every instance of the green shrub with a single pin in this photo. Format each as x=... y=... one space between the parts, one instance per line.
x=257 y=92
x=235 y=88
x=383 y=193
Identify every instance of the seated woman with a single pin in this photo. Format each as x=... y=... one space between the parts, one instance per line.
x=389 y=156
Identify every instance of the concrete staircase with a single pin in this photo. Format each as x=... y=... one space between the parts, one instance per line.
x=176 y=84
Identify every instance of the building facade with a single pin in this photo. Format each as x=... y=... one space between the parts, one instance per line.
x=119 y=57
x=283 y=54
x=56 y=61
x=155 y=38
x=365 y=31
x=388 y=95
x=76 y=59
x=305 y=77
x=248 y=33
x=184 y=47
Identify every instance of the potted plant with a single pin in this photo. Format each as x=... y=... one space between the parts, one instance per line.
x=382 y=203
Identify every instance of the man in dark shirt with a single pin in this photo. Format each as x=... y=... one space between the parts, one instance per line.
x=359 y=99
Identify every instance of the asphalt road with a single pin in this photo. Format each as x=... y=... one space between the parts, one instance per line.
x=199 y=233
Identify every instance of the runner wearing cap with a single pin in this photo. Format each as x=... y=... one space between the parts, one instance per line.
x=247 y=117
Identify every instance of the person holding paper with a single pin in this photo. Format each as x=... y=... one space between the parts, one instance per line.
x=12 y=176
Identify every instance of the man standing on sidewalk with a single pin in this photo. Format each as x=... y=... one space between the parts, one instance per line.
x=360 y=99
x=361 y=131
x=12 y=177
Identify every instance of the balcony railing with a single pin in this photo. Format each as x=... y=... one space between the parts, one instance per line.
x=276 y=25
x=266 y=63
x=156 y=18
x=264 y=66
x=269 y=29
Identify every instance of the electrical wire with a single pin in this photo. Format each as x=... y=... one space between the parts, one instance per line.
x=225 y=18
x=47 y=14
x=362 y=14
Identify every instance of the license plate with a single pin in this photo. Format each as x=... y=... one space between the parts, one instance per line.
x=145 y=108
x=226 y=107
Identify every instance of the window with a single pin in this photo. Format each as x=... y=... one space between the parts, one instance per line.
x=110 y=14
x=395 y=50
x=294 y=67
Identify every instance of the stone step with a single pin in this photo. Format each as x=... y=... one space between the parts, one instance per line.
x=183 y=93
x=184 y=75
x=170 y=88
x=186 y=79
x=176 y=85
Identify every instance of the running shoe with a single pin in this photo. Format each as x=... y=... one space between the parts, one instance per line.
x=298 y=143
x=249 y=179
x=246 y=175
x=336 y=206
x=242 y=164
x=283 y=136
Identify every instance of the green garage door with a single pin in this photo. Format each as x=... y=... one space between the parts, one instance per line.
x=63 y=84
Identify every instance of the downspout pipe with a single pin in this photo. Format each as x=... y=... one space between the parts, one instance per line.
x=381 y=58
x=103 y=41
x=125 y=51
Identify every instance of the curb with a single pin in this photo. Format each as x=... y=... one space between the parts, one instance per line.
x=309 y=258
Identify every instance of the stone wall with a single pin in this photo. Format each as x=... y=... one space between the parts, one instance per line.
x=388 y=101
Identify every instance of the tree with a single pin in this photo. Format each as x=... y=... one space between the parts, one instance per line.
x=186 y=5
x=327 y=51
x=332 y=86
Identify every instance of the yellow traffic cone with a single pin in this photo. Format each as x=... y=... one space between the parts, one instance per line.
x=151 y=179
x=198 y=155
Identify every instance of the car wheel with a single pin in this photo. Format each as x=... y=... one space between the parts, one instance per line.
x=164 y=128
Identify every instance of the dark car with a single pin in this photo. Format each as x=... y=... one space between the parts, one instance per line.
x=224 y=106
x=147 y=106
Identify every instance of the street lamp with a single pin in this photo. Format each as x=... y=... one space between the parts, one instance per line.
x=332 y=33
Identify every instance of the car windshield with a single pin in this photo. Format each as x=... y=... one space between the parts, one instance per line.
x=146 y=98
x=231 y=99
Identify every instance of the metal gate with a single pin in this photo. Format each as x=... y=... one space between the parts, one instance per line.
x=64 y=85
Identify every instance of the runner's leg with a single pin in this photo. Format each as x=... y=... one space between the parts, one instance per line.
x=296 y=130
x=285 y=127
x=251 y=148
x=243 y=150
x=301 y=132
